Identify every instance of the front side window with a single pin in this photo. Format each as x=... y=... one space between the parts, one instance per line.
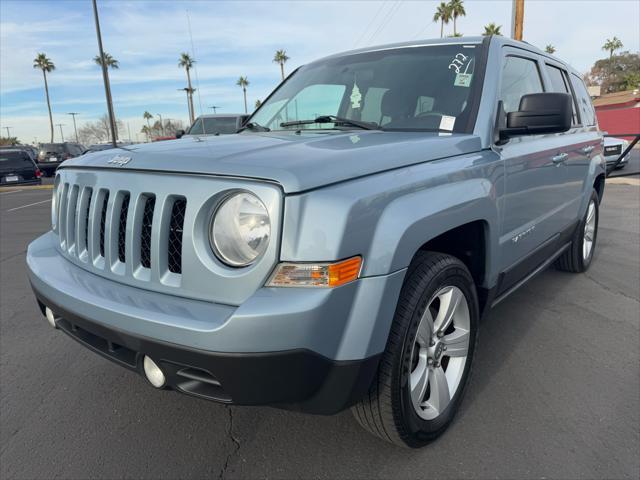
x=520 y=76
x=423 y=88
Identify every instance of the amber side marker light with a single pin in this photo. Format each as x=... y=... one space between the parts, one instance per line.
x=323 y=275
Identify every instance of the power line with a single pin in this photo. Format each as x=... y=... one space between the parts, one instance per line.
x=390 y=14
x=370 y=23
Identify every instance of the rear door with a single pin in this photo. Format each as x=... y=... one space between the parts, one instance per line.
x=580 y=144
x=535 y=170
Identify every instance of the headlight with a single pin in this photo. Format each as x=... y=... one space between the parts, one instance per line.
x=240 y=230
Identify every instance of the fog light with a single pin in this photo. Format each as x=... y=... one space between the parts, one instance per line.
x=51 y=318
x=153 y=373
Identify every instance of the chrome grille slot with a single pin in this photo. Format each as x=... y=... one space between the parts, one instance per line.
x=62 y=215
x=145 y=233
x=174 y=242
x=70 y=223
x=122 y=228
x=103 y=222
x=82 y=222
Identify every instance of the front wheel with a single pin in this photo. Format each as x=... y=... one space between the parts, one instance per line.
x=426 y=364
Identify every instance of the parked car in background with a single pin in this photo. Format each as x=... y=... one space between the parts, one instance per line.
x=613 y=148
x=342 y=248
x=51 y=155
x=215 y=124
x=17 y=168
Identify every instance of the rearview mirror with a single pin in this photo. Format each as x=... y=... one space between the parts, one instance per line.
x=539 y=113
x=179 y=133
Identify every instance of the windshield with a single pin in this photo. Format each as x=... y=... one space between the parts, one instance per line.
x=424 y=88
x=213 y=125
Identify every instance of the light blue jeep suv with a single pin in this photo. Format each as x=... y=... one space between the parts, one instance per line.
x=340 y=250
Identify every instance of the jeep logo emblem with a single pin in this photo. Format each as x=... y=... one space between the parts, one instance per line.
x=120 y=160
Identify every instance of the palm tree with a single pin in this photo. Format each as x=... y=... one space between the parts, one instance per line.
x=147 y=116
x=46 y=65
x=611 y=45
x=442 y=15
x=187 y=62
x=146 y=129
x=108 y=60
x=456 y=7
x=258 y=104
x=281 y=58
x=243 y=83
x=492 y=29
x=550 y=49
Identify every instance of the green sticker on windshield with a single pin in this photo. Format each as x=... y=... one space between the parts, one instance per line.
x=463 y=79
x=356 y=96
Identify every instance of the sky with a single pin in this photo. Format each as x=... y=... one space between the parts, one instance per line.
x=229 y=39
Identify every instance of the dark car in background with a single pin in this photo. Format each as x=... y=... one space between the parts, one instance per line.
x=17 y=168
x=215 y=124
x=51 y=155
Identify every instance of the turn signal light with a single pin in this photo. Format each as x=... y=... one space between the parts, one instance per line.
x=327 y=275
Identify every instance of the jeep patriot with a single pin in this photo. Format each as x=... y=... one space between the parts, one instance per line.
x=340 y=249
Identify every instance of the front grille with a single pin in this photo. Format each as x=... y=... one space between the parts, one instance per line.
x=174 y=252
x=97 y=234
x=122 y=228
x=145 y=236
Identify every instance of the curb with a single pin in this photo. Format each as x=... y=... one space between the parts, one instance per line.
x=26 y=187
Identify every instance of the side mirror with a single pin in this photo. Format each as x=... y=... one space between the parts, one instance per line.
x=179 y=133
x=539 y=113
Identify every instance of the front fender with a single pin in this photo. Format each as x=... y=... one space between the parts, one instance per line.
x=387 y=217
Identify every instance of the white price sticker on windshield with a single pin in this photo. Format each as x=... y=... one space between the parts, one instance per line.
x=447 y=123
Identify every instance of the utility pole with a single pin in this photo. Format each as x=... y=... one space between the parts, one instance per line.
x=517 y=19
x=61 y=134
x=8 y=132
x=214 y=107
x=161 y=124
x=73 y=114
x=129 y=130
x=105 y=77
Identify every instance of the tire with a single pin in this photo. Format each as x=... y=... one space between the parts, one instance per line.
x=389 y=410
x=576 y=259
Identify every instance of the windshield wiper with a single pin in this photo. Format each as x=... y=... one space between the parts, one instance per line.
x=254 y=127
x=333 y=119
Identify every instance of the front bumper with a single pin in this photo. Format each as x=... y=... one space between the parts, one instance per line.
x=314 y=350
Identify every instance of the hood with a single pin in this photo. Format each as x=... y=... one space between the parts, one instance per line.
x=298 y=162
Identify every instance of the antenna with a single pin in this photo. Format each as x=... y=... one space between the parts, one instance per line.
x=214 y=108
x=195 y=67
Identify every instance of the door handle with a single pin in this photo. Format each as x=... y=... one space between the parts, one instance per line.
x=558 y=159
x=588 y=149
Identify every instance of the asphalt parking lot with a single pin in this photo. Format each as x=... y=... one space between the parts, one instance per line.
x=555 y=390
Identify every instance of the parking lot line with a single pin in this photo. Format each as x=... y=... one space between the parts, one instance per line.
x=10 y=191
x=28 y=205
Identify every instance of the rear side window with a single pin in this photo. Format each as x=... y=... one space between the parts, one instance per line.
x=559 y=83
x=14 y=160
x=584 y=101
x=520 y=76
